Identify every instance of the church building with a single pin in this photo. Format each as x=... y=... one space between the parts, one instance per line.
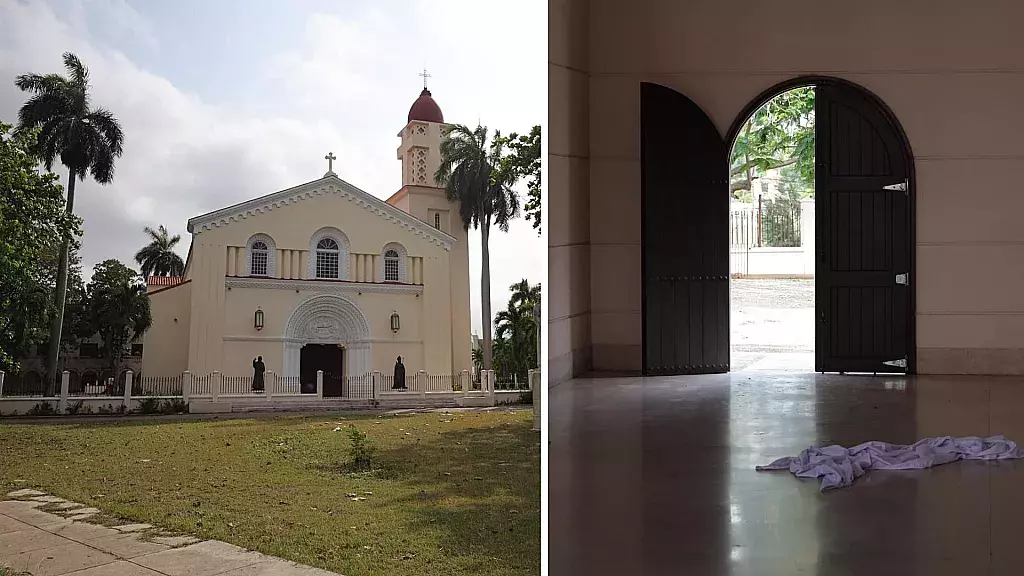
x=324 y=276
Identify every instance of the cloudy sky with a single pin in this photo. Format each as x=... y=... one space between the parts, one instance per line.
x=229 y=100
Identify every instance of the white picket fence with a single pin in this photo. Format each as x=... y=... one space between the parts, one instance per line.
x=216 y=386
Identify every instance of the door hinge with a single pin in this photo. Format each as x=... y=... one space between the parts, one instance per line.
x=901 y=187
x=902 y=279
x=901 y=363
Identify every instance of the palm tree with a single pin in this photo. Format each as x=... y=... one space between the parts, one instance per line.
x=473 y=174
x=86 y=139
x=516 y=330
x=158 y=257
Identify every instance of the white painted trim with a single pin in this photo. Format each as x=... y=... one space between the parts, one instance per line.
x=329 y=184
x=323 y=286
x=403 y=256
x=344 y=250
x=271 y=254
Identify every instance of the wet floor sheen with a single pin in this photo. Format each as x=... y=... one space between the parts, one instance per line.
x=656 y=476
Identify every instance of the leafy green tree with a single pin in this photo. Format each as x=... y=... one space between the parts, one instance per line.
x=516 y=331
x=158 y=257
x=778 y=135
x=33 y=224
x=473 y=174
x=118 y=308
x=525 y=161
x=85 y=139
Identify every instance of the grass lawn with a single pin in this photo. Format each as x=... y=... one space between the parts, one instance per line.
x=452 y=494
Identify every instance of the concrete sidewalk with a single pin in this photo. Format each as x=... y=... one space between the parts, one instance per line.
x=45 y=544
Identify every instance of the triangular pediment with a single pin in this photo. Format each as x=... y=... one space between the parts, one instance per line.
x=328 y=185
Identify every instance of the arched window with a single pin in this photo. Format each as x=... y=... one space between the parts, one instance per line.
x=328 y=255
x=329 y=250
x=391 y=273
x=437 y=221
x=393 y=258
x=259 y=258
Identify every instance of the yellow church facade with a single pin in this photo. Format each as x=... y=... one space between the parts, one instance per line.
x=323 y=277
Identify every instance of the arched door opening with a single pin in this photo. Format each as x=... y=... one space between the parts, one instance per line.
x=329 y=333
x=771 y=235
x=863 y=225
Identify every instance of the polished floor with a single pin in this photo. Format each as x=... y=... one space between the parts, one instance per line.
x=656 y=476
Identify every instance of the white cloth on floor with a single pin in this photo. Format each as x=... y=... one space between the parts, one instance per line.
x=838 y=466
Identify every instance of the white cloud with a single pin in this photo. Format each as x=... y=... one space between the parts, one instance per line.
x=342 y=88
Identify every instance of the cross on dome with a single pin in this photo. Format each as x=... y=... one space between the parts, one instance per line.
x=425 y=76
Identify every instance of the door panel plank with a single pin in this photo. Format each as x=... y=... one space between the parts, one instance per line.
x=685 y=203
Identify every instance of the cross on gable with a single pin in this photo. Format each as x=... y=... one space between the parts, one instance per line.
x=330 y=162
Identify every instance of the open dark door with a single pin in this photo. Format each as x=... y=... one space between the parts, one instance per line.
x=864 y=235
x=685 y=203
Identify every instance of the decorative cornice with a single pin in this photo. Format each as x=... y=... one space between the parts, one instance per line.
x=322 y=286
x=329 y=184
x=247 y=338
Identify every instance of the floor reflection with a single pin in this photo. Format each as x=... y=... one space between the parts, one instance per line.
x=656 y=476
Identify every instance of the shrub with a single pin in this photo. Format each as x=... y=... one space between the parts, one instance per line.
x=41 y=409
x=526 y=398
x=360 y=455
x=75 y=408
x=149 y=406
x=174 y=406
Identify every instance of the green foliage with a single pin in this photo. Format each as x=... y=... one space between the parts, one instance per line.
x=360 y=454
x=779 y=134
x=75 y=407
x=515 y=346
x=174 y=406
x=41 y=409
x=158 y=257
x=32 y=225
x=149 y=406
x=524 y=161
x=118 y=308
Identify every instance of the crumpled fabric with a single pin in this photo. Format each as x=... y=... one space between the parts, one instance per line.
x=838 y=466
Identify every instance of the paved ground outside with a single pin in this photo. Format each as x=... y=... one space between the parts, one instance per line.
x=772 y=324
x=47 y=544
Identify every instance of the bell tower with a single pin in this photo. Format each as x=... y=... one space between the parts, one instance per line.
x=422 y=197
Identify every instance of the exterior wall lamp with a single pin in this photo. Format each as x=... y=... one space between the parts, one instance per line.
x=395 y=322
x=258 y=319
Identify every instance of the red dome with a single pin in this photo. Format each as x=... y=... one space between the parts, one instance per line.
x=425 y=109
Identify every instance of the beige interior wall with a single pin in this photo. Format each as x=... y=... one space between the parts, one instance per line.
x=568 y=190
x=950 y=70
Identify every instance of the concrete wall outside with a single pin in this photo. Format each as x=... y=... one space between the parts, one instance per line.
x=949 y=70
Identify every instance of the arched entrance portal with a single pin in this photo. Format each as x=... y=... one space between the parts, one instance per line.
x=864 y=237
x=328 y=333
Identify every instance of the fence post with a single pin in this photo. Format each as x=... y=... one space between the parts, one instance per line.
x=464 y=381
x=1 y=383
x=319 y=383
x=375 y=382
x=65 y=384
x=215 y=386
x=270 y=379
x=421 y=377
x=807 y=234
x=186 y=386
x=535 y=394
x=128 y=389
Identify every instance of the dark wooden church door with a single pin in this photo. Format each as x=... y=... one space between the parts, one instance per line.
x=685 y=241
x=864 y=236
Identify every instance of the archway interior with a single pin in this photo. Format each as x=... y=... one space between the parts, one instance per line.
x=772 y=235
